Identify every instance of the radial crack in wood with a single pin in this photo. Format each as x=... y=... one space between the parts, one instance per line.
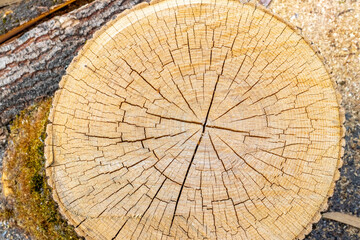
x=201 y=120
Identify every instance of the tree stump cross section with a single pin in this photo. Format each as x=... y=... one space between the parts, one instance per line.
x=192 y=120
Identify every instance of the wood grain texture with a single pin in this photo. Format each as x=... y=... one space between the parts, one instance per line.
x=31 y=66
x=343 y=218
x=201 y=120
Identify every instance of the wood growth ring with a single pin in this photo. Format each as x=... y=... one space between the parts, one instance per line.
x=202 y=120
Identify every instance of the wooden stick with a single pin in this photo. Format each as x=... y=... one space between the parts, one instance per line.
x=28 y=24
x=343 y=218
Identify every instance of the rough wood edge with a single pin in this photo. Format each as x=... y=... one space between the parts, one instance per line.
x=49 y=159
x=324 y=206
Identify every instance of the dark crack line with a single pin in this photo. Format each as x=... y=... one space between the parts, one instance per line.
x=246 y=162
x=231 y=108
x=187 y=103
x=120 y=230
x=149 y=84
x=174 y=119
x=198 y=144
x=228 y=129
x=183 y=183
x=152 y=200
x=217 y=155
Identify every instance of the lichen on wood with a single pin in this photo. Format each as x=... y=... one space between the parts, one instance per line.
x=24 y=181
x=193 y=120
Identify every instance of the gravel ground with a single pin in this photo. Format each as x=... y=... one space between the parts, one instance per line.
x=7 y=231
x=334 y=28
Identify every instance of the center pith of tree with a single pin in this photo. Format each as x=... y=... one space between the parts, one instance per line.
x=195 y=119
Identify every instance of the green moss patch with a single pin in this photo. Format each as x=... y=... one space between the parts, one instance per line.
x=24 y=178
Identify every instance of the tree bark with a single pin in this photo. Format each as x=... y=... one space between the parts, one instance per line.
x=32 y=65
x=16 y=12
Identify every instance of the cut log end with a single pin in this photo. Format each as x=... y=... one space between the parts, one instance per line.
x=191 y=121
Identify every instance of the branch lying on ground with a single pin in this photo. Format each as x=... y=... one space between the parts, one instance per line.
x=343 y=218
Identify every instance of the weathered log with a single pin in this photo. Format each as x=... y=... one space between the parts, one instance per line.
x=195 y=119
x=31 y=22
x=32 y=65
x=15 y=12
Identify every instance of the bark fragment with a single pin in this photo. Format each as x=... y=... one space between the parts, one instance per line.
x=32 y=65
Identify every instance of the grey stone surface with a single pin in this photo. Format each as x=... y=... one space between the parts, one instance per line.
x=7 y=232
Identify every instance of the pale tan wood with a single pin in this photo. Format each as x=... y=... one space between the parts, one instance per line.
x=195 y=120
x=343 y=218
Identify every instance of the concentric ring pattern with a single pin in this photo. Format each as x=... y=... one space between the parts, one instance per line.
x=194 y=120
